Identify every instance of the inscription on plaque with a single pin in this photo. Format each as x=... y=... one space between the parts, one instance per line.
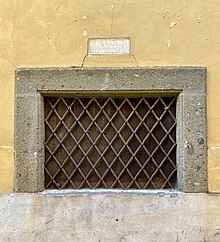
x=109 y=46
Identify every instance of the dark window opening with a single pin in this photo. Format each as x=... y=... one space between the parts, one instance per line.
x=110 y=143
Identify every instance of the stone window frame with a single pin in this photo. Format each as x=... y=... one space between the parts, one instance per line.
x=188 y=83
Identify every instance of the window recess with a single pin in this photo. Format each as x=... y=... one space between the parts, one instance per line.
x=111 y=143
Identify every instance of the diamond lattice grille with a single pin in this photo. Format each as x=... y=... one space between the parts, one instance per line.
x=122 y=143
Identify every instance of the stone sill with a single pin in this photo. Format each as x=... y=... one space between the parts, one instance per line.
x=86 y=192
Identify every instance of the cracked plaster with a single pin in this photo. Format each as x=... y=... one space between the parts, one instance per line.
x=49 y=33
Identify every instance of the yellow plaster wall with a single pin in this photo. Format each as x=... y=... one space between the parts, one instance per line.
x=41 y=33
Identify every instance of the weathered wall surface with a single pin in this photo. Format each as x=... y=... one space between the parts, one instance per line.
x=155 y=217
x=55 y=33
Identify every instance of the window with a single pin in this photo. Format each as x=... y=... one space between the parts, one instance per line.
x=108 y=142
x=119 y=128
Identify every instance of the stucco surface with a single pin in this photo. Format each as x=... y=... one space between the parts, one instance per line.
x=55 y=33
x=111 y=217
x=6 y=169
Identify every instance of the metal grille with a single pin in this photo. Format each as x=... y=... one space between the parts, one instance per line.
x=123 y=143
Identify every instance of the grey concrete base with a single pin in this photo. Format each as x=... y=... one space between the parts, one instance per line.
x=110 y=217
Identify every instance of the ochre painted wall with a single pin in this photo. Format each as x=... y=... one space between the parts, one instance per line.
x=42 y=33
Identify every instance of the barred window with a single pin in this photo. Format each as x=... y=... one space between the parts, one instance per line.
x=110 y=128
x=125 y=143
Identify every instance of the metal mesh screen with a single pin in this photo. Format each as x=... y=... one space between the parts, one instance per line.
x=123 y=143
